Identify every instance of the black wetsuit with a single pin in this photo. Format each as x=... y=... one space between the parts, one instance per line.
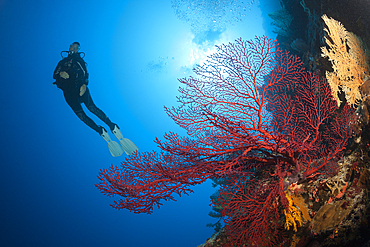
x=75 y=66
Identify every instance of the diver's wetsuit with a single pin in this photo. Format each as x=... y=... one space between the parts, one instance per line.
x=75 y=66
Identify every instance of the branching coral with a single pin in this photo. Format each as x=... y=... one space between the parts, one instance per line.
x=349 y=60
x=253 y=116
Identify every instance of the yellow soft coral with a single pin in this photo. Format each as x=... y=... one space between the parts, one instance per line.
x=293 y=217
x=302 y=206
x=349 y=60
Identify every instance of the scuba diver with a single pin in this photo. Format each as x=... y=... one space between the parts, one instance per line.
x=72 y=78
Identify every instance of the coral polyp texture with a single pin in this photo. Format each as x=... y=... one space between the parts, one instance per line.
x=264 y=128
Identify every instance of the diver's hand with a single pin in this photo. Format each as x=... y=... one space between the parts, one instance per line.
x=82 y=89
x=64 y=75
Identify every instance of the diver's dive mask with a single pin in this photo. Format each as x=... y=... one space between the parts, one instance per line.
x=71 y=53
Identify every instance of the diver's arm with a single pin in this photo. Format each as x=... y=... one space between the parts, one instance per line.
x=84 y=75
x=58 y=74
x=57 y=70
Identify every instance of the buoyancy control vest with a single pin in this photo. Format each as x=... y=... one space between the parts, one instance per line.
x=75 y=66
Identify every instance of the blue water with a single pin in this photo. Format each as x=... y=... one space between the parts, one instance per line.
x=50 y=160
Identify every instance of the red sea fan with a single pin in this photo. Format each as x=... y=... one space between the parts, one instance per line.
x=255 y=118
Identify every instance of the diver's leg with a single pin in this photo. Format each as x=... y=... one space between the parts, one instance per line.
x=127 y=145
x=72 y=100
x=87 y=100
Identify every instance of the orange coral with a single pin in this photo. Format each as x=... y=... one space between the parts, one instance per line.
x=299 y=202
x=292 y=216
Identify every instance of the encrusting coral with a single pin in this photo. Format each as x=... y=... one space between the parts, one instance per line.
x=329 y=216
x=348 y=57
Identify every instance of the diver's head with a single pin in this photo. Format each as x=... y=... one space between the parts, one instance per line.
x=74 y=48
